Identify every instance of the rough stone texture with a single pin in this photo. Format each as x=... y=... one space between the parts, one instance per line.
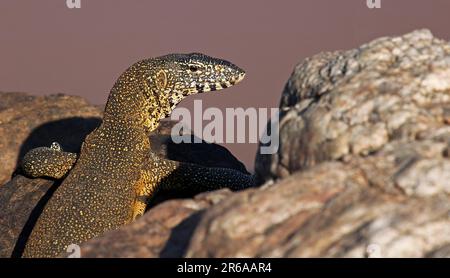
x=330 y=210
x=29 y=121
x=21 y=202
x=389 y=92
x=381 y=113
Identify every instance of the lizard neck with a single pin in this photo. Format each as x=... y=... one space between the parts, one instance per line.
x=129 y=104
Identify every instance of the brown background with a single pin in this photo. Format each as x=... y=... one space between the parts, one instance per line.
x=47 y=48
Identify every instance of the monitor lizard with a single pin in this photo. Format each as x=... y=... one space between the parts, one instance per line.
x=115 y=174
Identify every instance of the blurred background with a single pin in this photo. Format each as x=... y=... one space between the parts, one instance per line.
x=46 y=48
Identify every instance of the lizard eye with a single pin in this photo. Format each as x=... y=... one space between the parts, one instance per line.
x=193 y=68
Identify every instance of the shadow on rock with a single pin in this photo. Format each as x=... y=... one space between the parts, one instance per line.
x=21 y=202
x=203 y=153
x=32 y=219
x=180 y=237
x=69 y=133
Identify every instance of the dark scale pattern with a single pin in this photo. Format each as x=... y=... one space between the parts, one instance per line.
x=168 y=175
x=103 y=190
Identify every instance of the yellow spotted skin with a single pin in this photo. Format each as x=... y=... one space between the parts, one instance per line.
x=103 y=190
x=157 y=174
x=48 y=162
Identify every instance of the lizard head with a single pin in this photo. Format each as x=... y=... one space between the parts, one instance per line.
x=187 y=74
x=180 y=75
x=173 y=77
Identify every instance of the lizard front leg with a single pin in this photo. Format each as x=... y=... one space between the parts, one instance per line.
x=145 y=190
x=159 y=174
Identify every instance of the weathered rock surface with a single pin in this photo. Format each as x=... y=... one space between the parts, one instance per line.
x=21 y=202
x=363 y=170
x=369 y=131
x=392 y=92
x=330 y=210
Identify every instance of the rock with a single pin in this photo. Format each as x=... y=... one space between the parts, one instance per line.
x=355 y=103
x=363 y=165
x=329 y=210
x=21 y=202
x=29 y=121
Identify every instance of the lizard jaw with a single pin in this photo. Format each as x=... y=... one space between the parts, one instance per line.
x=216 y=86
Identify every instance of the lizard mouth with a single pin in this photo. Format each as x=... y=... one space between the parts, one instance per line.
x=216 y=86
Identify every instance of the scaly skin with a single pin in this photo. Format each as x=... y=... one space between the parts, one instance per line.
x=103 y=190
x=48 y=162
x=160 y=174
